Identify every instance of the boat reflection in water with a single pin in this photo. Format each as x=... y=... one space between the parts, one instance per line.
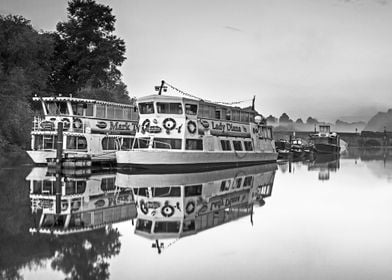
x=75 y=203
x=178 y=205
x=325 y=164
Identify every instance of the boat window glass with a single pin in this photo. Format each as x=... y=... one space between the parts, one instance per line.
x=110 y=112
x=143 y=225
x=207 y=111
x=56 y=108
x=248 y=146
x=167 y=192
x=101 y=111
x=226 y=145
x=76 y=143
x=77 y=109
x=169 y=108
x=126 y=143
x=141 y=143
x=248 y=181
x=189 y=226
x=193 y=190
x=237 y=145
x=169 y=227
x=89 y=109
x=218 y=114
x=235 y=115
x=191 y=109
x=109 y=143
x=194 y=144
x=269 y=132
x=75 y=187
x=251 y=117
x=146 y=108
x=108 y=184
x=167 y=143
x=228 y=115
x=118 y=112
x=244 y=116
x=46 y=142
x=238 y=183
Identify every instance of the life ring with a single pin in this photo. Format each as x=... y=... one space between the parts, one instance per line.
x=169 y=124
x=143 y=207
x=146 y=125
x=191 y=127
x=66 y=123
x=77 y=123
x=190 y=207
x=205 y=123
x=167 y=211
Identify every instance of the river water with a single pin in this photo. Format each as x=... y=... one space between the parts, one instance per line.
x=312 y=218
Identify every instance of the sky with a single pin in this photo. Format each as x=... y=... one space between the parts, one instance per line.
x=327 y=59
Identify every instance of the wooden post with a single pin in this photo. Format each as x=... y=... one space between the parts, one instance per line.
x=161 y=87
x=58 y=193
x=59 y=145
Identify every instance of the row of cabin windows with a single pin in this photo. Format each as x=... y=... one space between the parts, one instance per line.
x=169 y=143
x=167 y=108
x=214 y=112
x=237 y=145
x=158 y=192
x=102 y=111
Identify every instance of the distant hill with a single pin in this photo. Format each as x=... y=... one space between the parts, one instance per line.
x=380 y=121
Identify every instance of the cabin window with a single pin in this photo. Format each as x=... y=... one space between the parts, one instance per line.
x=251 y=117
x=130 y=114
x=101 y=111
x=141 y=143
x=166 y=192
x=77 y=109
x=218 y=114
x=167 y=143
x=238 y=183
x=169 y=227
x=237 y=145
x=140 y=191
x=90 y=110
x=194 y=144
x=190 y=109
x=169 y=108
x=248 y=181
x=248 y=146
x=194 y=190
x=109 y=143
x=207 y=111
x=75 y=187
x=228 y=115
x=108 y=184
x=226 y=145
x=45 y=142
x=144 y=225
x=126 y=143
x=235 y=115
x=56 y=108
x=189 y=226
x=118 y=112
x=146 y=108
x=110 y=112
x=76 y=143
x=244 y=116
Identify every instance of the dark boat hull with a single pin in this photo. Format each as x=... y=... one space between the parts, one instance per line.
x=327 y=148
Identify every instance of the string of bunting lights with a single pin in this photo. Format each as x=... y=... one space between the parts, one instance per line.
x=193 y=96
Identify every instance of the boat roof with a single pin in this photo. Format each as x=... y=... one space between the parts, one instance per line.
x=156 y=97
x=80 y=100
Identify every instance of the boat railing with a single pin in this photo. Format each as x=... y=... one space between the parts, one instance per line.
x=160 y=142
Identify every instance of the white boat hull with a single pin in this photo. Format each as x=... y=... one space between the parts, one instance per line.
x=162 y=158
x=41 y=156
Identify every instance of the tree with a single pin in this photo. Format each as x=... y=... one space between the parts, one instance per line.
x=311 y=120
x=87 y=53
x=271 y=119
x=285 y=119
x=299 y=121
x=24 y=68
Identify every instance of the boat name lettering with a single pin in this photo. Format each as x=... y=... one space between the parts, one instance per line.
x=225 y=126
x=121 y=126
x=226 y=202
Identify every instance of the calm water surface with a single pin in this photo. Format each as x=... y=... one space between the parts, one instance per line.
x=324 y=218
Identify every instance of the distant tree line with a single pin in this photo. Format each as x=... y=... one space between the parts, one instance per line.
x=81 y=58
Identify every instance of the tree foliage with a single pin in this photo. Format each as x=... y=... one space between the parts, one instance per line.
x=25 y=65
x=87 y=54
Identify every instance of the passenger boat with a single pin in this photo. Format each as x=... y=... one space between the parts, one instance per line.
x=325 y=141
x=171 y=206
x=283 y=148
x=91 y=127
x=183 y=132
x=297 y=147
x=76 y=203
